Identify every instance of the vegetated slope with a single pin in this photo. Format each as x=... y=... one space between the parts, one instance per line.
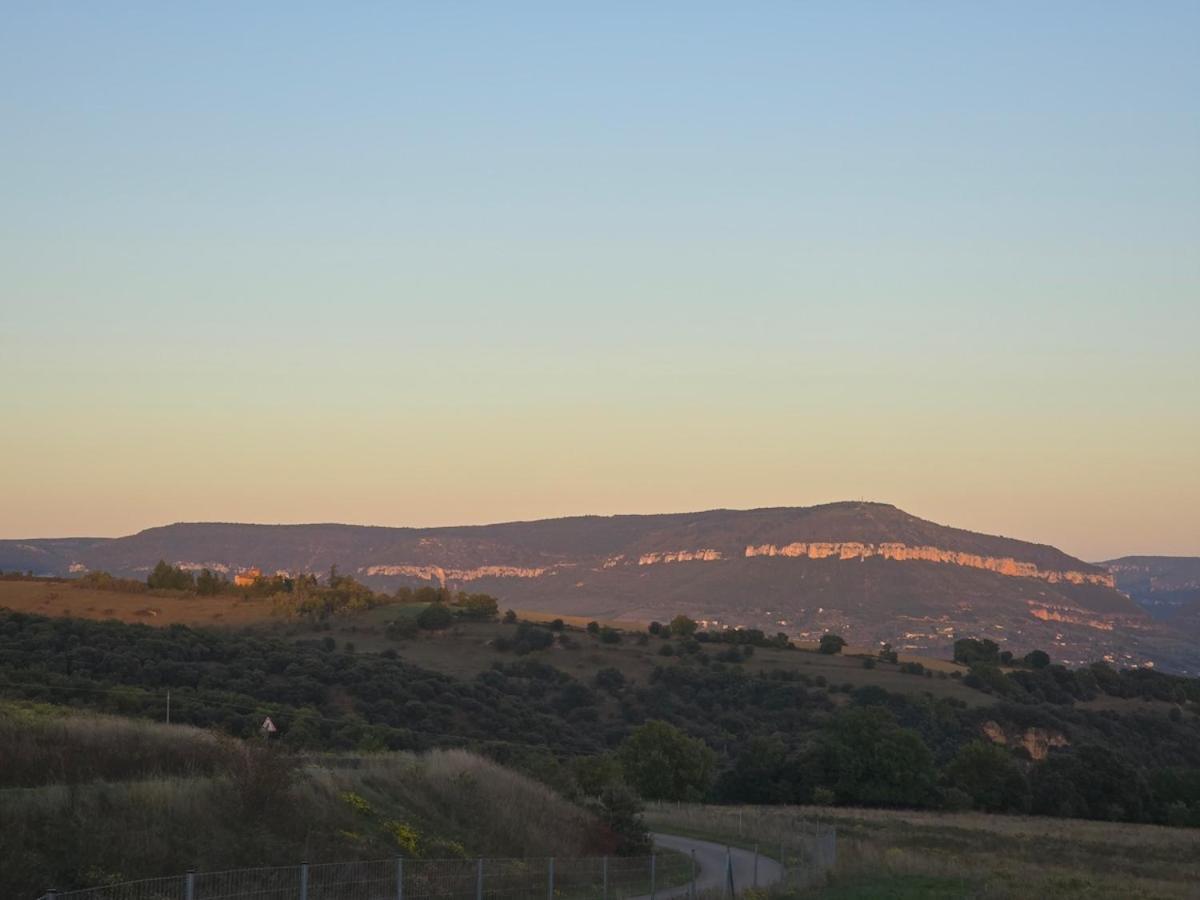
x=200 y=801
x=868 y=570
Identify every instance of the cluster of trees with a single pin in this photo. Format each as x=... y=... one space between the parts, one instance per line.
x=722 y=732
x=973 y=652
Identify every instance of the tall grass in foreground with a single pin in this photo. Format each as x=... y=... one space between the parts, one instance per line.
x=42 y=745
x=972 y=854
x=265 y=809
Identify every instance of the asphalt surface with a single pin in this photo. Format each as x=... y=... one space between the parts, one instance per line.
x=710 y=861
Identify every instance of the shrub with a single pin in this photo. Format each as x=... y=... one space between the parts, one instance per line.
x=435 y=617
x=831 y=644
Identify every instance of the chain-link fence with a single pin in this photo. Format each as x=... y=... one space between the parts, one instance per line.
x=608 y=878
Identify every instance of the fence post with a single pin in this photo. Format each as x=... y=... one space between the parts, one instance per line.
x=653 y=860
x=755 y=865
x=189 y=885
x=692 y=892
x=729 y=888
x=399 y=878
x=550 y=881
x=303 y=881
x=479 y=879
x=604 y=870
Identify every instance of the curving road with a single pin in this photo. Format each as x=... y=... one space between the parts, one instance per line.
x=710 y=861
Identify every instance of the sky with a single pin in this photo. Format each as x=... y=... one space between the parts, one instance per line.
x=441 y=263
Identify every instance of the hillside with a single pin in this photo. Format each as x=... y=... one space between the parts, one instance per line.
x=116 y=799
x=868 y=570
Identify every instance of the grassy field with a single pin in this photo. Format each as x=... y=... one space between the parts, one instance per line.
x=884 y=853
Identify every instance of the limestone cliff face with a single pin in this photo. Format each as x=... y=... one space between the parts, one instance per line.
x=1068 y=616
x=898 y=551
x=649 y=559
x=440 y=575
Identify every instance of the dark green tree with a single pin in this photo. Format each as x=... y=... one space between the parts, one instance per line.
x=831 y=644
x=662 y=763
x=990 y=776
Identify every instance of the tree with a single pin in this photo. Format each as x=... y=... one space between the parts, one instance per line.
x=435 y=617
x=479 y=606
x=971 y=651
x=209 y=583
x=168 y=577
x=663 y=763
x=1037 y=659
x=609 y=635
x=866 y=758
x=402 y=628
x=593 y=627
x=510 y=617
x=990 y=776
x=610 y=680
x=831 y=644
x=683 y=626
x=761 y=773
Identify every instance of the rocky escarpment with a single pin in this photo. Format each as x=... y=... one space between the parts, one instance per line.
x=444 y=576
x=1003 y=565
x=891 y=550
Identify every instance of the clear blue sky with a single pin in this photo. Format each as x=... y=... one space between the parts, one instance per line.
x=416 y=264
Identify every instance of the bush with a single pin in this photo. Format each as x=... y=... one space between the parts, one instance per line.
x=435 y=617
x=831 y=644
x=403 y=628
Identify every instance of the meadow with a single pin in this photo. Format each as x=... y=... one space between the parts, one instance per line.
x=912 y=854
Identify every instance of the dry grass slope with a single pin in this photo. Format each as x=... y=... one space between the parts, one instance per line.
x=214 y=804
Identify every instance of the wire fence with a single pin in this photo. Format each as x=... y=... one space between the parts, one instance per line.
x=805 y=848
x=610 y=878
x=805 y=851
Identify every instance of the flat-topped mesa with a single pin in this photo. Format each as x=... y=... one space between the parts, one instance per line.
x=1002 y=565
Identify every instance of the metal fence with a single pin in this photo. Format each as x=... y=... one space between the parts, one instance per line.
x=804 y=847
x=608 y=878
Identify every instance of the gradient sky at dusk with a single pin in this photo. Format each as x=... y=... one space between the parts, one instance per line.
x=441 y=263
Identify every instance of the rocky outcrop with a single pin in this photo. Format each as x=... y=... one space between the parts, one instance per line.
x=649 y=559
x=1068 y=616
x=442 y=576
x=847 y=550
x=1036 y=741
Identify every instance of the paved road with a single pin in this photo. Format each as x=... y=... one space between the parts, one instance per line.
x=710 y=860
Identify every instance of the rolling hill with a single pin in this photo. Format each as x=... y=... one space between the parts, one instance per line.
x=868 y=570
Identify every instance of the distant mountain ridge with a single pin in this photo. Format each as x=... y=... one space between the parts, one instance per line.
x=868 y=570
